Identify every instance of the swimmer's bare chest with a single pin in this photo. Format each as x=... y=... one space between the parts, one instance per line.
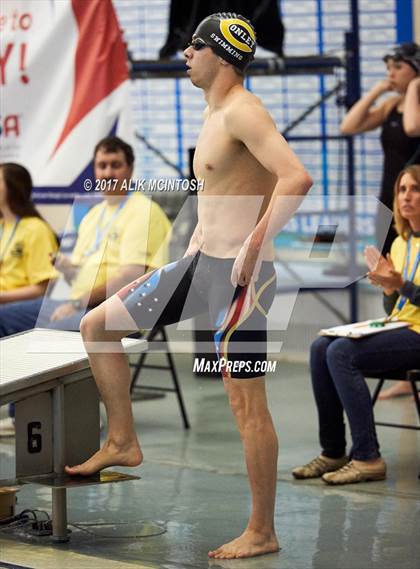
x=237 y=188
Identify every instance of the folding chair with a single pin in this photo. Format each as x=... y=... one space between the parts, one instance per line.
x=413 y=376
x=152 y=335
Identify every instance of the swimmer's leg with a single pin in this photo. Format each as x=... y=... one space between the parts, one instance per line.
x=112 y=374
x=241 y=336
x=248 y=401
x=156 y=299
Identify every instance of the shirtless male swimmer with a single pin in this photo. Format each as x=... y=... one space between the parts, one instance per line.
x=227 y=270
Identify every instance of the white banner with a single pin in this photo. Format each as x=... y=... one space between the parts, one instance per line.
x=64 y=85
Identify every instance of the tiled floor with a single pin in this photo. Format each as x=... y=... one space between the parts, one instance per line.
x=193 y=493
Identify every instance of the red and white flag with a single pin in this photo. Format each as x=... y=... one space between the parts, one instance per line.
x=64 y=85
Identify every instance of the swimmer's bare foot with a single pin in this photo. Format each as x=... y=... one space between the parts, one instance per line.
x=249 y=544
x=109 y=455
x=399 y=389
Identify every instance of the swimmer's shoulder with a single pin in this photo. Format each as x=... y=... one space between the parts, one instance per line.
x=244 y=106
x=242 y=96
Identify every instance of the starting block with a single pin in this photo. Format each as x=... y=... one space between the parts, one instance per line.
x=46 y=374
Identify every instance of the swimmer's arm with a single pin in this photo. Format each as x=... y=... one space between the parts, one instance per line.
x=127 y=273
x=363 y=116
x=252 y=125
x=411 y=115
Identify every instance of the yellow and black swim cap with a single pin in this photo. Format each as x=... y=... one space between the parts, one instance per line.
x=230 y=36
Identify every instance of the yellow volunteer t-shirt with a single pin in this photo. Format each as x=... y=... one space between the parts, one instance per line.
x=25 y=256
x=410 y=312
x=135 y=234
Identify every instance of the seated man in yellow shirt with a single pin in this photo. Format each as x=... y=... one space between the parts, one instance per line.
x=119 y=239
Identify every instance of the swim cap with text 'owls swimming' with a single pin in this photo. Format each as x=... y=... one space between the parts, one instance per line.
x=231 y=36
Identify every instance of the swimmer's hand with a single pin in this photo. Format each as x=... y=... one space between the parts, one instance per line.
x=247 y=264
x=382 y=86
x=192 y=250
x=195 y=242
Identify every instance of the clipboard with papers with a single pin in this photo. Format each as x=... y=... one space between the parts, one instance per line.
x=362 y=329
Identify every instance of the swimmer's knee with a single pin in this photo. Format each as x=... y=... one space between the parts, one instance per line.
x=247 y=399
x=248 y=416
x=238 y=407
x=239 y=403
x=93 y=324
x=89 y=325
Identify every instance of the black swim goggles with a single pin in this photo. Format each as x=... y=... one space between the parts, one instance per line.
x=197 y=44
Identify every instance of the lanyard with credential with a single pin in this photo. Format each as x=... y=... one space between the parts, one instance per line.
x=12 y=234
x=102 y=231
x=403 y=299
